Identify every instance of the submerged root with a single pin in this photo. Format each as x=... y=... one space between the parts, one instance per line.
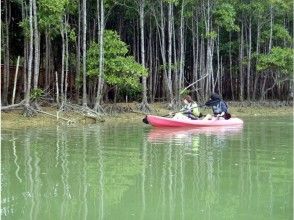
x=29 y=111
x=116 y=109
x=144 y=107
x=85 y=111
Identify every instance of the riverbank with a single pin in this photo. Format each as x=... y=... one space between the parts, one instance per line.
x=129 y=113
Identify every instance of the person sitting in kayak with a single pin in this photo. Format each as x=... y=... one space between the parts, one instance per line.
x=219 y=107
x=190 y=109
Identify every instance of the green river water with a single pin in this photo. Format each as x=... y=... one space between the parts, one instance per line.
x=133 y=171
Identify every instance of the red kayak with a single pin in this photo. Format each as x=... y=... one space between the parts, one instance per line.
x=158 y=121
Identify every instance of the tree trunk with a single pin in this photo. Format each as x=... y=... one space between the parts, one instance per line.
x=150 y=50
x=62 y=62
x=218 y=64
x=6 y=79
x=182 y=51
x=175 y=76
x=97 y=106
x=230 y=68
x=84 y=52
x=78 y=57
x=241 y=95
x=36 y=46
x=57 y=88
x=257 y=53
x=249 y=60
x=28 y=90
x=15 y=81
x=168 y=83
x=47 y=39
x=144 y=105
x=66 y=59
x=169 y=35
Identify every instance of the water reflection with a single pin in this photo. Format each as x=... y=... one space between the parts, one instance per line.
x=181 y=135
x=123 y=173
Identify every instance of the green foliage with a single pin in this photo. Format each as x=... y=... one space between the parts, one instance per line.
x=225 y=17
x=51 y=13
x=119 y=69
x=133 y=94
x=211 y=35
x=36 y=94
x=280 y=33
x=279 y=59
x=184 y=92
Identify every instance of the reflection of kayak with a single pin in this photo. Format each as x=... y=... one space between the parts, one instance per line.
x=158 y=121
x=165 y=133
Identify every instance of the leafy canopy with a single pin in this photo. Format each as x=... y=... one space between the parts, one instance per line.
x=279 y=59
x=119 y=69
x=225 y=15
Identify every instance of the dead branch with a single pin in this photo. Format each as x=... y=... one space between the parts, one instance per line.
x=10 y=107
x=55 y=116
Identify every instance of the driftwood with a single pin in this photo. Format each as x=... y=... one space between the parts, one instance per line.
x=84 y=111
x=9 y=107
x=55 y=116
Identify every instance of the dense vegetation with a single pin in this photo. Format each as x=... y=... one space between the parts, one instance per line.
x=96 y=51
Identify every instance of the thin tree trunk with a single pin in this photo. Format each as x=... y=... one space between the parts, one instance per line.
x=15 y=80
x=144 y=104
x=36 y=45
x=202 y=67
x=57 y=88
x=271 y=29
x=24 y=16
x=47 y=38
x=218 y=64
x=97 y=106
x=241 y=96
x=150 y=49
x=78 y=58
x=230 y=68
x=182 y=50
x=6 y=80
x=168 y=84
x=27 y=96
x=62 y=62
x=84 y=52
x=249 y=60
x=257 y=53
x=66 y=59
x=169 y=34
x=175 y=76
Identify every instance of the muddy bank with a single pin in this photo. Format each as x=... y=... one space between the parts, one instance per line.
x=128 y=112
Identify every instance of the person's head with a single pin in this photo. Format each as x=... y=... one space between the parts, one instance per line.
x=187 y=99
x=215 y=96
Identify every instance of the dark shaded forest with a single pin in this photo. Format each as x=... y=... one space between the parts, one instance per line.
x=104 y=51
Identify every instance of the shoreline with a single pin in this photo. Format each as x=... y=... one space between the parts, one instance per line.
x=13 y=119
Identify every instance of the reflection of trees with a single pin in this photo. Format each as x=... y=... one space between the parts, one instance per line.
x=226 y=179
x=67 y=172
x=104 y=172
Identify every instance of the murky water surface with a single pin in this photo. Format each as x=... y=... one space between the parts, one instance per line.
x=138 y=172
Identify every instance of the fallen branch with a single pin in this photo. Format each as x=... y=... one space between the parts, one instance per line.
x=85 y=111
x=55 y=116
x=203 y=77
x=9 y=107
